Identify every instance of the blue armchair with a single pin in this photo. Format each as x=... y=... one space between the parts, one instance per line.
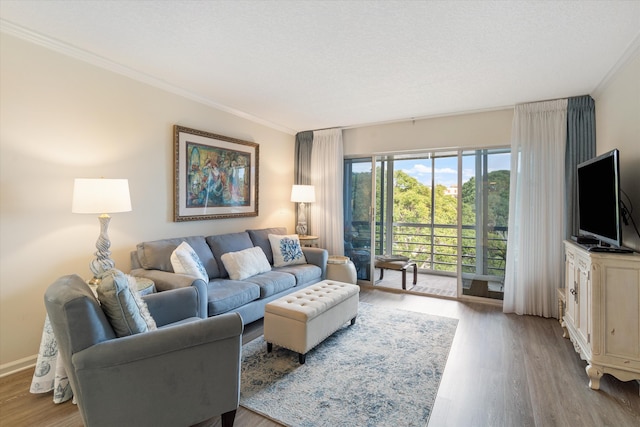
x=185 y=372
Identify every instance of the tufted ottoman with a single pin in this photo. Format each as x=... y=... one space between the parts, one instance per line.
x=303 y=319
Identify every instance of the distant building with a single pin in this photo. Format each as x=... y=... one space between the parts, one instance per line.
x=452 y=190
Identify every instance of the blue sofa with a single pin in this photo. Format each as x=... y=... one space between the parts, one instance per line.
x=247 y=297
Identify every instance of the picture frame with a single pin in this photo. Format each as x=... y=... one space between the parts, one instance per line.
x=215 y=176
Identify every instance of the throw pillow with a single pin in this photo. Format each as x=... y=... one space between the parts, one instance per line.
x=286 y=250
x=185 y=260
x=245 y=263
x=260 y=237
x=126 y=311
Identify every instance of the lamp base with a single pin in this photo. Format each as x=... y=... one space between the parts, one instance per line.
x=103 y=261
x=94 y=281
x=301 y=229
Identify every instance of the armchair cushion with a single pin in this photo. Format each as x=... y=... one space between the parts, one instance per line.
x=124 y=308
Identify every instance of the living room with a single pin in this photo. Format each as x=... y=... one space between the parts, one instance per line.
x=66 y=114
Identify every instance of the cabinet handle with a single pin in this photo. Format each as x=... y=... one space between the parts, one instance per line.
x=573 y=292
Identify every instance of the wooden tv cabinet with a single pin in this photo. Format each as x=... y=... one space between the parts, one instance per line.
x=602 y=316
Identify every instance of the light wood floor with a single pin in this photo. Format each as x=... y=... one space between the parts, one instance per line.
x=503 y=370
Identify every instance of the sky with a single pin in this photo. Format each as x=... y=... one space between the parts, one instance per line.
x=446 y=168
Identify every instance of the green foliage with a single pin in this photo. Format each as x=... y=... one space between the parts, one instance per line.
x=431 y=237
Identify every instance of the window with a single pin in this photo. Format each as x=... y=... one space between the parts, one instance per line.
x=417 y=203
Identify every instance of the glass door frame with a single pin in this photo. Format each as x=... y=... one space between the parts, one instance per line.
x=390 y=158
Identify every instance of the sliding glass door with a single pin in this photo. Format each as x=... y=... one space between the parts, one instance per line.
x=358 y=193
x=445 y=210
x=485 y=220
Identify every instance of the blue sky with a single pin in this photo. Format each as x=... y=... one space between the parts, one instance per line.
x=446 y=168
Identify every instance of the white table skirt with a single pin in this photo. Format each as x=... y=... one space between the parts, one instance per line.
x=49 y=374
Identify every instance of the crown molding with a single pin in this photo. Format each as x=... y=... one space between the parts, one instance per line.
x=98 y=61
x=632 y=51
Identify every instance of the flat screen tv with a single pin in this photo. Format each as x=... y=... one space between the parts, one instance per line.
x=599 y=199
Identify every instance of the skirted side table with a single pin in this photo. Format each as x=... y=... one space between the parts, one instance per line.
x=51 y=375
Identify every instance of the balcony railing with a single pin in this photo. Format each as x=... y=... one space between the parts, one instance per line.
x=435 y=248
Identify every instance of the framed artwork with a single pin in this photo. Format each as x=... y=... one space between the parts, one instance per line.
x=215 y=176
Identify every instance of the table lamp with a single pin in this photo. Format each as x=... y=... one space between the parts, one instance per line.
x=101 y=196
x=302 y=194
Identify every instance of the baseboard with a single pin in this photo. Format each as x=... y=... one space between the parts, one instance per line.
x=18 y=365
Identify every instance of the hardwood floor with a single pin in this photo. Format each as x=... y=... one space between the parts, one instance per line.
x=503 y=370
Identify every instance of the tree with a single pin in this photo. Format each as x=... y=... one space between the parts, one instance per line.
x=433 y=242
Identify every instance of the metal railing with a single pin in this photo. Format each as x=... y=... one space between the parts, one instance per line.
x=435 y=247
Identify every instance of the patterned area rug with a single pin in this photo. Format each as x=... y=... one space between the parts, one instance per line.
x=383 y=371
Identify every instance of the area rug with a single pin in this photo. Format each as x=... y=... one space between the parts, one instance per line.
x=383 y=371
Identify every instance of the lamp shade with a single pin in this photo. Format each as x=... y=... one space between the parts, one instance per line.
x=101 y=196
x=303 y=193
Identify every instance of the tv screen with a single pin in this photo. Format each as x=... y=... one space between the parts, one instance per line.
x=599 y=198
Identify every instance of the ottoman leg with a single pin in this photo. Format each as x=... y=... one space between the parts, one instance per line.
x=302 y=358
x=353 y=321
x=269 y=347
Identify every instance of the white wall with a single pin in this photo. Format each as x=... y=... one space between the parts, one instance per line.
x=485 y=129
x=618 y=126
x=61 y=119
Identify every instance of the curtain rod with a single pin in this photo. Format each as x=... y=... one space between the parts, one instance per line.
x=554 y=99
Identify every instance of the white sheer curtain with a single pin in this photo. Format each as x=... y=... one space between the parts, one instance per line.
x=326 y=175
x=535 y=261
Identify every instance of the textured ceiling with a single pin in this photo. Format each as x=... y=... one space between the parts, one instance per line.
x=300 y=65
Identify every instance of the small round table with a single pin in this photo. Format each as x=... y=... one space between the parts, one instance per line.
x=308 y=241
x=341 y=269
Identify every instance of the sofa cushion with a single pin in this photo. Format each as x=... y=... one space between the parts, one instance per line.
x=156 y=255
x=225 y=295
x=185 y=260
x=272 y=282
x=260 y=238
x=286 y=250
x=231 y=242
x=126 y=311
x=245 y=263
x=304 y=273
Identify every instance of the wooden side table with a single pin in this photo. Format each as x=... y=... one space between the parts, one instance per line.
x=308 y=241
x=399 y=264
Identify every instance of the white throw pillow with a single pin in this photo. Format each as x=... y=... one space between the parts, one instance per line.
x=185 y=260
x=245 y=263
x=286 y=250
x=126 y=311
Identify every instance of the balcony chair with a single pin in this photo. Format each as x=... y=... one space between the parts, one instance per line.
x=185 y=372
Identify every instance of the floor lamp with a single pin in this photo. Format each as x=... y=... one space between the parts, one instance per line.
x=302 y=194
x=101 y=196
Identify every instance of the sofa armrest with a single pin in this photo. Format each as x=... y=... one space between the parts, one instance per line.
x=173 y=305
x=189 y=370
x=317 y=256
x=165 y=280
